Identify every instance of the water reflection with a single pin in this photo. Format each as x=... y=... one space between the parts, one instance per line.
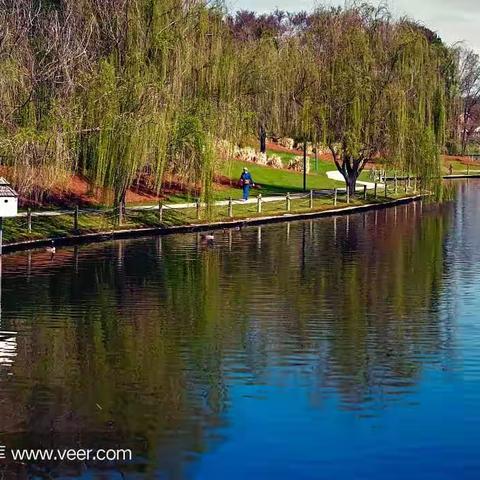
x=159 y=342
x=8 y=347
x=8 y=340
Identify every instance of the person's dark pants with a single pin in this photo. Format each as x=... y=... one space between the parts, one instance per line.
x=246 y=191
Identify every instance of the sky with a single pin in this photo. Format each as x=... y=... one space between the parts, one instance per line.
x=454 y=20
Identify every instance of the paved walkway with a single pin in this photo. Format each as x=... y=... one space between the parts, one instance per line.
x=336 y=175
x=220 y=203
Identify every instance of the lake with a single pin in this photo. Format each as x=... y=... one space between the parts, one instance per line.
x=340 y=348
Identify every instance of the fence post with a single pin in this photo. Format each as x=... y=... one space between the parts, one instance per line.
x=415 y=185
x=395 y=184
x=386 y=188
x=75 y=218
x=406 y=186
x=259 y=203
x=364 y=192
x=198 y=209
x=468 y=169
x=120 y=213
x=230 y=207
x=347 y=193
x=375 y=192
x=311 y=198
x=335 y=193
x=288 y=202
x=160 y=211
x=29 y=220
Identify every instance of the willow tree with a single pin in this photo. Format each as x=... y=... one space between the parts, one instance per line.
x=274 y=65
x=113 y=88
x=377 y=91
x=39 y=60
x=162 y=98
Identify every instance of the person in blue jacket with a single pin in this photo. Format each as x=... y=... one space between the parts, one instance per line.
x=246 y=181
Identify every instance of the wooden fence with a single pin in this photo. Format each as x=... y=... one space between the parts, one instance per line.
x=338 y=195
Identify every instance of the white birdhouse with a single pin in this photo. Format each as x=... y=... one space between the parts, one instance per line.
x=8 y=200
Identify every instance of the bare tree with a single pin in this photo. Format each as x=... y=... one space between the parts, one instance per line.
x=469 y=89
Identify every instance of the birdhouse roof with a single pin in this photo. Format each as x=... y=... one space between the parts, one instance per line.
x=6 y=190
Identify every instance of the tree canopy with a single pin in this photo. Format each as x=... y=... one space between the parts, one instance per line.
x=110 y=89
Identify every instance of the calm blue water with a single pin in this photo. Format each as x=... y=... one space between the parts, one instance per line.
x=344 y=348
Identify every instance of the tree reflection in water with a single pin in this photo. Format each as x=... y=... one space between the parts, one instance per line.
x=140 y=342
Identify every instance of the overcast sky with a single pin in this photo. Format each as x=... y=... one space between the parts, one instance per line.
x=454 y=20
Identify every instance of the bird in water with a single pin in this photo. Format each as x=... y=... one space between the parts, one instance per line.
x=51 y=249
x=207 y=237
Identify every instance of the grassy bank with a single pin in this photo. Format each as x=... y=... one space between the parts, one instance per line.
x=16 y=229
x=271 y=181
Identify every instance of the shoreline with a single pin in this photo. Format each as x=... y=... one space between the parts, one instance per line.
x=104 y=236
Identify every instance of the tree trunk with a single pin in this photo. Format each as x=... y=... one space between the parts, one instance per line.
x=350 y=168
x=305 y=160
x=262 y=134
x=464 y=142
x=466 y=116
x=121 y=206
x=351 y=183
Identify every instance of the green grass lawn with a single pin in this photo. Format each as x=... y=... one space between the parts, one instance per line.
x=269 y=180
x=459 y=168
x=273 y=180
